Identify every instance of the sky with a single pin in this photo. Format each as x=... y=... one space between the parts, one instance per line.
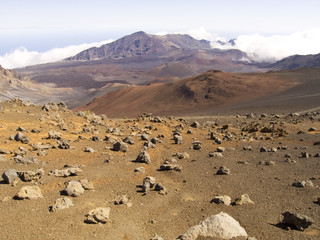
x=39 y=31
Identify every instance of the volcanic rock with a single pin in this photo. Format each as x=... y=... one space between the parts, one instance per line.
x=98 y=215
x=9 y=176
x=61 y=203
x=222 y=199
x=74 y=189
x=143 y=157
x=299 y=221
x=29 y=192
x=221 y=226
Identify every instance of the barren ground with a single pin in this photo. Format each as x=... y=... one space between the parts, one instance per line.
x=189 y=192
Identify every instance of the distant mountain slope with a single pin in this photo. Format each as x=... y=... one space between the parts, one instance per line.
x=13 y=86
x=195 y=95
x=141 y=44
x=297 y=61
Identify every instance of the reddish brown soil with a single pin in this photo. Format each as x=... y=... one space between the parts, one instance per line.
x=189 y=191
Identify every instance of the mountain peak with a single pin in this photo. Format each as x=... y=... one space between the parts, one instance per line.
x=141 y=44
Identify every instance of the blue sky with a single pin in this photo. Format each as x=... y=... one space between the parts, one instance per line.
x=41 y=25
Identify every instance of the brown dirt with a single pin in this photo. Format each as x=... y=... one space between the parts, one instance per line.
x=189 y=191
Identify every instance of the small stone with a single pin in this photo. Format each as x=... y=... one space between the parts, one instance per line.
x=243 y=199
x=305 y=155
x=215 y=154
x=140 y=170
x=220 y=149
x=195 y=125
x=120 y=146
x=223 y=171
x=161 y=189
x=98 y=215
x=29 y=192
x=86 y=184
x=299 y=221
x=74 y=189
x=10 y=175
x=145 y=137
x=72 y=171
x=156 y=237
x=54 y=135
x=299 y=184
x=149 y=145
x=154 y=140
x=123 y=199
x=89 y=150
x=222 y=199
x=128 y=140
x=177 y=139
x=61 y=203
x=197 y=145
x=263 y=149
x=148 y=183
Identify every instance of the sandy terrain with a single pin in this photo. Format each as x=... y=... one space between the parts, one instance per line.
x=189 y=191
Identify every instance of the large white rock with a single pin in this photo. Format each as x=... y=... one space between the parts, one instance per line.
x=29 y=192
x=221 y=226
x=74 y=189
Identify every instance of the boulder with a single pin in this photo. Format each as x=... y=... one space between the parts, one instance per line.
x=74 y=189
x=222 y=199
x=143 y=157
x=98 y=215
x=61 y=203
x=25 y=160
x=299 y=221
x=29 y=192
x=9 y=176
x=221 y=226
x=28 y=176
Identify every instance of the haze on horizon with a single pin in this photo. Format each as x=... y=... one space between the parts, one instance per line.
x=35 y=31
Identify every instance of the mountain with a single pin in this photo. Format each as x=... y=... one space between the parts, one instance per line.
x=142 y=44
x=13 y=86
x=297 y=61
x=136 y=59
x=215 y=91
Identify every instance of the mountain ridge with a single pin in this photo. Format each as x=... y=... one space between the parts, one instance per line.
x=141 y=44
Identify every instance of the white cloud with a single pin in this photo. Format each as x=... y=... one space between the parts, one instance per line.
x=276 y=47
x=22 y=57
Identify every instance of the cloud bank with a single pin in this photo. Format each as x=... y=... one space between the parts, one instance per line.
x=22 y=57
x=274 y=48
x=258 y=47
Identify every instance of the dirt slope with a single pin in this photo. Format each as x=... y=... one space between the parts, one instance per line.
x=200 y=94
